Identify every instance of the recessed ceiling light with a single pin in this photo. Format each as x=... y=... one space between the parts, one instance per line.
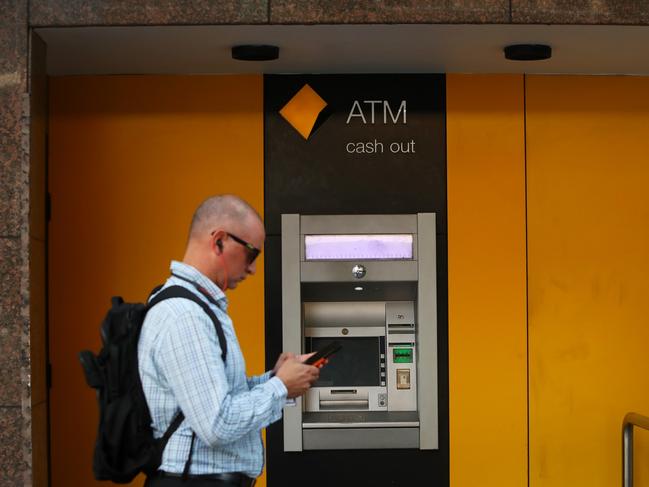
x=528 y=52
x=255 y=52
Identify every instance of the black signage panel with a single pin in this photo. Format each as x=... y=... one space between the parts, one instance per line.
x=378 y=145
x=354 y=144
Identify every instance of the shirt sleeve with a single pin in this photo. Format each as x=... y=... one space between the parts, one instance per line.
x=189 y=356
x=256 y=380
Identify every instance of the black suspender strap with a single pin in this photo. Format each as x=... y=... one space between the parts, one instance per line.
x=189 y=458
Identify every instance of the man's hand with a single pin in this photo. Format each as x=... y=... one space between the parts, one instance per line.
x=305 y=356
x=282 y=358
x=289 y=355
x=296 y=376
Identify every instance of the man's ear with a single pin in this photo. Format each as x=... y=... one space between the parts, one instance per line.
x=217 y=238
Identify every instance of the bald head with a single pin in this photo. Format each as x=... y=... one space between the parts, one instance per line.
x=222 y=211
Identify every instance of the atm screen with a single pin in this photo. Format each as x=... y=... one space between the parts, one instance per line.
x=354 y=247
x=357 y=363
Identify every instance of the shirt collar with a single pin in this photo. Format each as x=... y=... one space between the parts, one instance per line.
x=192 y=274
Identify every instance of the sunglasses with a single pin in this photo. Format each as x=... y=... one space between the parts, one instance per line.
x=253 y=251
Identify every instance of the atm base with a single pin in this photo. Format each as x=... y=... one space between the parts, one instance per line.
x=359 y=438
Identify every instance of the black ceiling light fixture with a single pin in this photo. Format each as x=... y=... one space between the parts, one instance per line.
x=255 y=52
x=528 y=52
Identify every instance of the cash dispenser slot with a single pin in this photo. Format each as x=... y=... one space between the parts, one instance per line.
x=338 y=405
x=344 y=399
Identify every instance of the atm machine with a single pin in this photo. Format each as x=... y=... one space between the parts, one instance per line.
x=368 y=282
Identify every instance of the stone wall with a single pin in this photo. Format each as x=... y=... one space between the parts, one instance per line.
x=154 y=12
x=15 y=407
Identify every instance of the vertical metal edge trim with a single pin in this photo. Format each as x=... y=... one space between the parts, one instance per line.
x=291 y=320
x=427 y=327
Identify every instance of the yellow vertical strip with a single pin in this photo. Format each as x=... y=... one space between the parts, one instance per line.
x=130 y=159
x=487 y=288
x=588 y=214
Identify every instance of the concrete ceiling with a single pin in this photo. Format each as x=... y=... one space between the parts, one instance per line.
x=408 y=48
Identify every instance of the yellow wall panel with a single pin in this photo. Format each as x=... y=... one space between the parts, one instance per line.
x=588 y=237
x=487 y=288
x=130 y=159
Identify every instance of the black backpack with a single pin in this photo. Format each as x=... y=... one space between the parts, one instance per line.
x=125 y=445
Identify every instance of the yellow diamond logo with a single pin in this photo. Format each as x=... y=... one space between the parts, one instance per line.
x=303 y=110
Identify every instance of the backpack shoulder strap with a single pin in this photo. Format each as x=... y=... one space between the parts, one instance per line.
x=183 y=292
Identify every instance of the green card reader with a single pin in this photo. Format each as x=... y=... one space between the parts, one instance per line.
x=402 y=355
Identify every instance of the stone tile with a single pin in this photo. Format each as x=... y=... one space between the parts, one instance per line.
x=37 y=313
x=10 y=323
x=580 y=12
x=12 y=463
x=147 y=12
x=13 y=59
x=388 y=11
x=11 y=159
x=13 y=39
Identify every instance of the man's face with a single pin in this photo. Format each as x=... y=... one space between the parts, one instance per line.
x=241 y=246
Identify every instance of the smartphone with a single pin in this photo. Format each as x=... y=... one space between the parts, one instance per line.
x=320 y=356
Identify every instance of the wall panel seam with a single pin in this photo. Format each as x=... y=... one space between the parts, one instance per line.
x=527 y=294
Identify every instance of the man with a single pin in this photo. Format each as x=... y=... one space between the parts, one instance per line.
x=181 y=367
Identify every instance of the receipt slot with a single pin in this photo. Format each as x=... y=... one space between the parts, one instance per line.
x=369 y=283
